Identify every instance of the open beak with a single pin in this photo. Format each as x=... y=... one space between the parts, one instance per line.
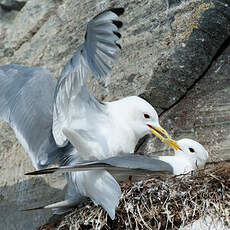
x=164 y=136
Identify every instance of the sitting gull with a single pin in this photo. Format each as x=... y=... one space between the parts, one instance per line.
x=65 y=121
x=193 y=156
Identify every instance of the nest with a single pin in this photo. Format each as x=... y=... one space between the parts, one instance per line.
x=161 y=203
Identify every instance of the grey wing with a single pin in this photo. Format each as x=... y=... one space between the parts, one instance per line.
x=136 y=167
x=121 y=165
x=73 y=101
x=26 y=103
x=140 y=163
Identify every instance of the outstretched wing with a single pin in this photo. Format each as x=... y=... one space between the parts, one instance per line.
x=26 y=103
x=120 y=165
x=73 y=102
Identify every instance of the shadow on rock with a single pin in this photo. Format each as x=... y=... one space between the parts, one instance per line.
x=29 y=193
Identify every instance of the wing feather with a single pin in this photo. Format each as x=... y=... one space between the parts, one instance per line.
x=73 y=101
x=26 y=103
x=123 y=165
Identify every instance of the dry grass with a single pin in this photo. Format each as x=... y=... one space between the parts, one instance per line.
x=161 y=203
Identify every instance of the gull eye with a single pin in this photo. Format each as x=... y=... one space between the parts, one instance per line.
x=146 y=116
x=191 y=150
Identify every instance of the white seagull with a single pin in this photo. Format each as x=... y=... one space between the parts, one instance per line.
x=65 y=121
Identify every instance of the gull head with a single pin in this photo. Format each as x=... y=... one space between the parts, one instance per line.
x=192 y=150
x=142 y=118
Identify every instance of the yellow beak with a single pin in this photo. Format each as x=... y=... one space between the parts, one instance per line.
x=160 y=132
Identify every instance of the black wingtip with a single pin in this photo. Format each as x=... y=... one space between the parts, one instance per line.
x=117 y=34
x=118 y=24
x=41 y=172
x=118 y=11
x=118 y=45
x=29 y=174
x=32 y=209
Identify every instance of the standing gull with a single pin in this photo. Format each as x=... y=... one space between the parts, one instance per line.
x=65 y=121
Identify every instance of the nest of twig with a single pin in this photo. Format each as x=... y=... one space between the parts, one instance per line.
x=162 y=203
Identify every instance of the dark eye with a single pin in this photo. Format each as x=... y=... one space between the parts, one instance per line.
x=191 y=150
x=146 y=116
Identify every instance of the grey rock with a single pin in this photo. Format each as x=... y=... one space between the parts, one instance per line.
x=9 y=52
x=173 y=3
x=200 y=40
x=203 y=113
x=9 y=5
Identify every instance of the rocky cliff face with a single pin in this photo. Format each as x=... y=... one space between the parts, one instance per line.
x=176 y=54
